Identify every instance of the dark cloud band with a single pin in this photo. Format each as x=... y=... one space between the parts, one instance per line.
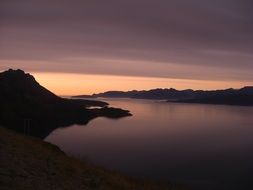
x=211 y=37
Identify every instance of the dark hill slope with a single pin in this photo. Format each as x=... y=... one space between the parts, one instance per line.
x=27 y=106
x=28 y=163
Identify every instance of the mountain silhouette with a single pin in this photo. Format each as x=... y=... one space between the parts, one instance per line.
x=240 y=97
x=243 y=96
x=158 y=94
x=26 y=106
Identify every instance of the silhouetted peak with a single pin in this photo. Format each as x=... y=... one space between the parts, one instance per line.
x=16 y=74
x=247 y=89
x=14 y=82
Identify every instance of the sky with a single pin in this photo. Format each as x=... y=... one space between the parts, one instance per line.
x=90 y=46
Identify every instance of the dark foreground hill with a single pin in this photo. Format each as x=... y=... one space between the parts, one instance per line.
x=27 y=163
x=243 y=96
x=28 y=107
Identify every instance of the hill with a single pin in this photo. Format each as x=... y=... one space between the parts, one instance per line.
x=28 y=163
x=158 y=94
x=240 y=97
x=243 y=96
x=27 y=106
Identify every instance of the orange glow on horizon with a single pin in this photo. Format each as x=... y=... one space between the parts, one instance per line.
x=77 y=84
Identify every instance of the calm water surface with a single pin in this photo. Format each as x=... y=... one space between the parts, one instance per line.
x=206 y=146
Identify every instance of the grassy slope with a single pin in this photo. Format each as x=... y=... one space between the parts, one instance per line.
x=29 y=163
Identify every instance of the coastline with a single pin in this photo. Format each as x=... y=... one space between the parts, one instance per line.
x=28 y=162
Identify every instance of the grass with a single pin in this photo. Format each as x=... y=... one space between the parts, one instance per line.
x=30 y=163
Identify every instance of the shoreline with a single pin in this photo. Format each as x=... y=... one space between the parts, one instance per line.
x=29 y=162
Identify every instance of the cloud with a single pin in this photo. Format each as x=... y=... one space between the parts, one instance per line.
x=200 y=38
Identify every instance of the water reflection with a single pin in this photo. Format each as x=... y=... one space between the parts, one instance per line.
x=202 y=145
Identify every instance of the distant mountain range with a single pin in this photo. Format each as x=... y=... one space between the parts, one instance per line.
x=25 y=105
x=243 y=96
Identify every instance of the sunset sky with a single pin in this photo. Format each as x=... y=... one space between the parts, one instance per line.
x=90 y=46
